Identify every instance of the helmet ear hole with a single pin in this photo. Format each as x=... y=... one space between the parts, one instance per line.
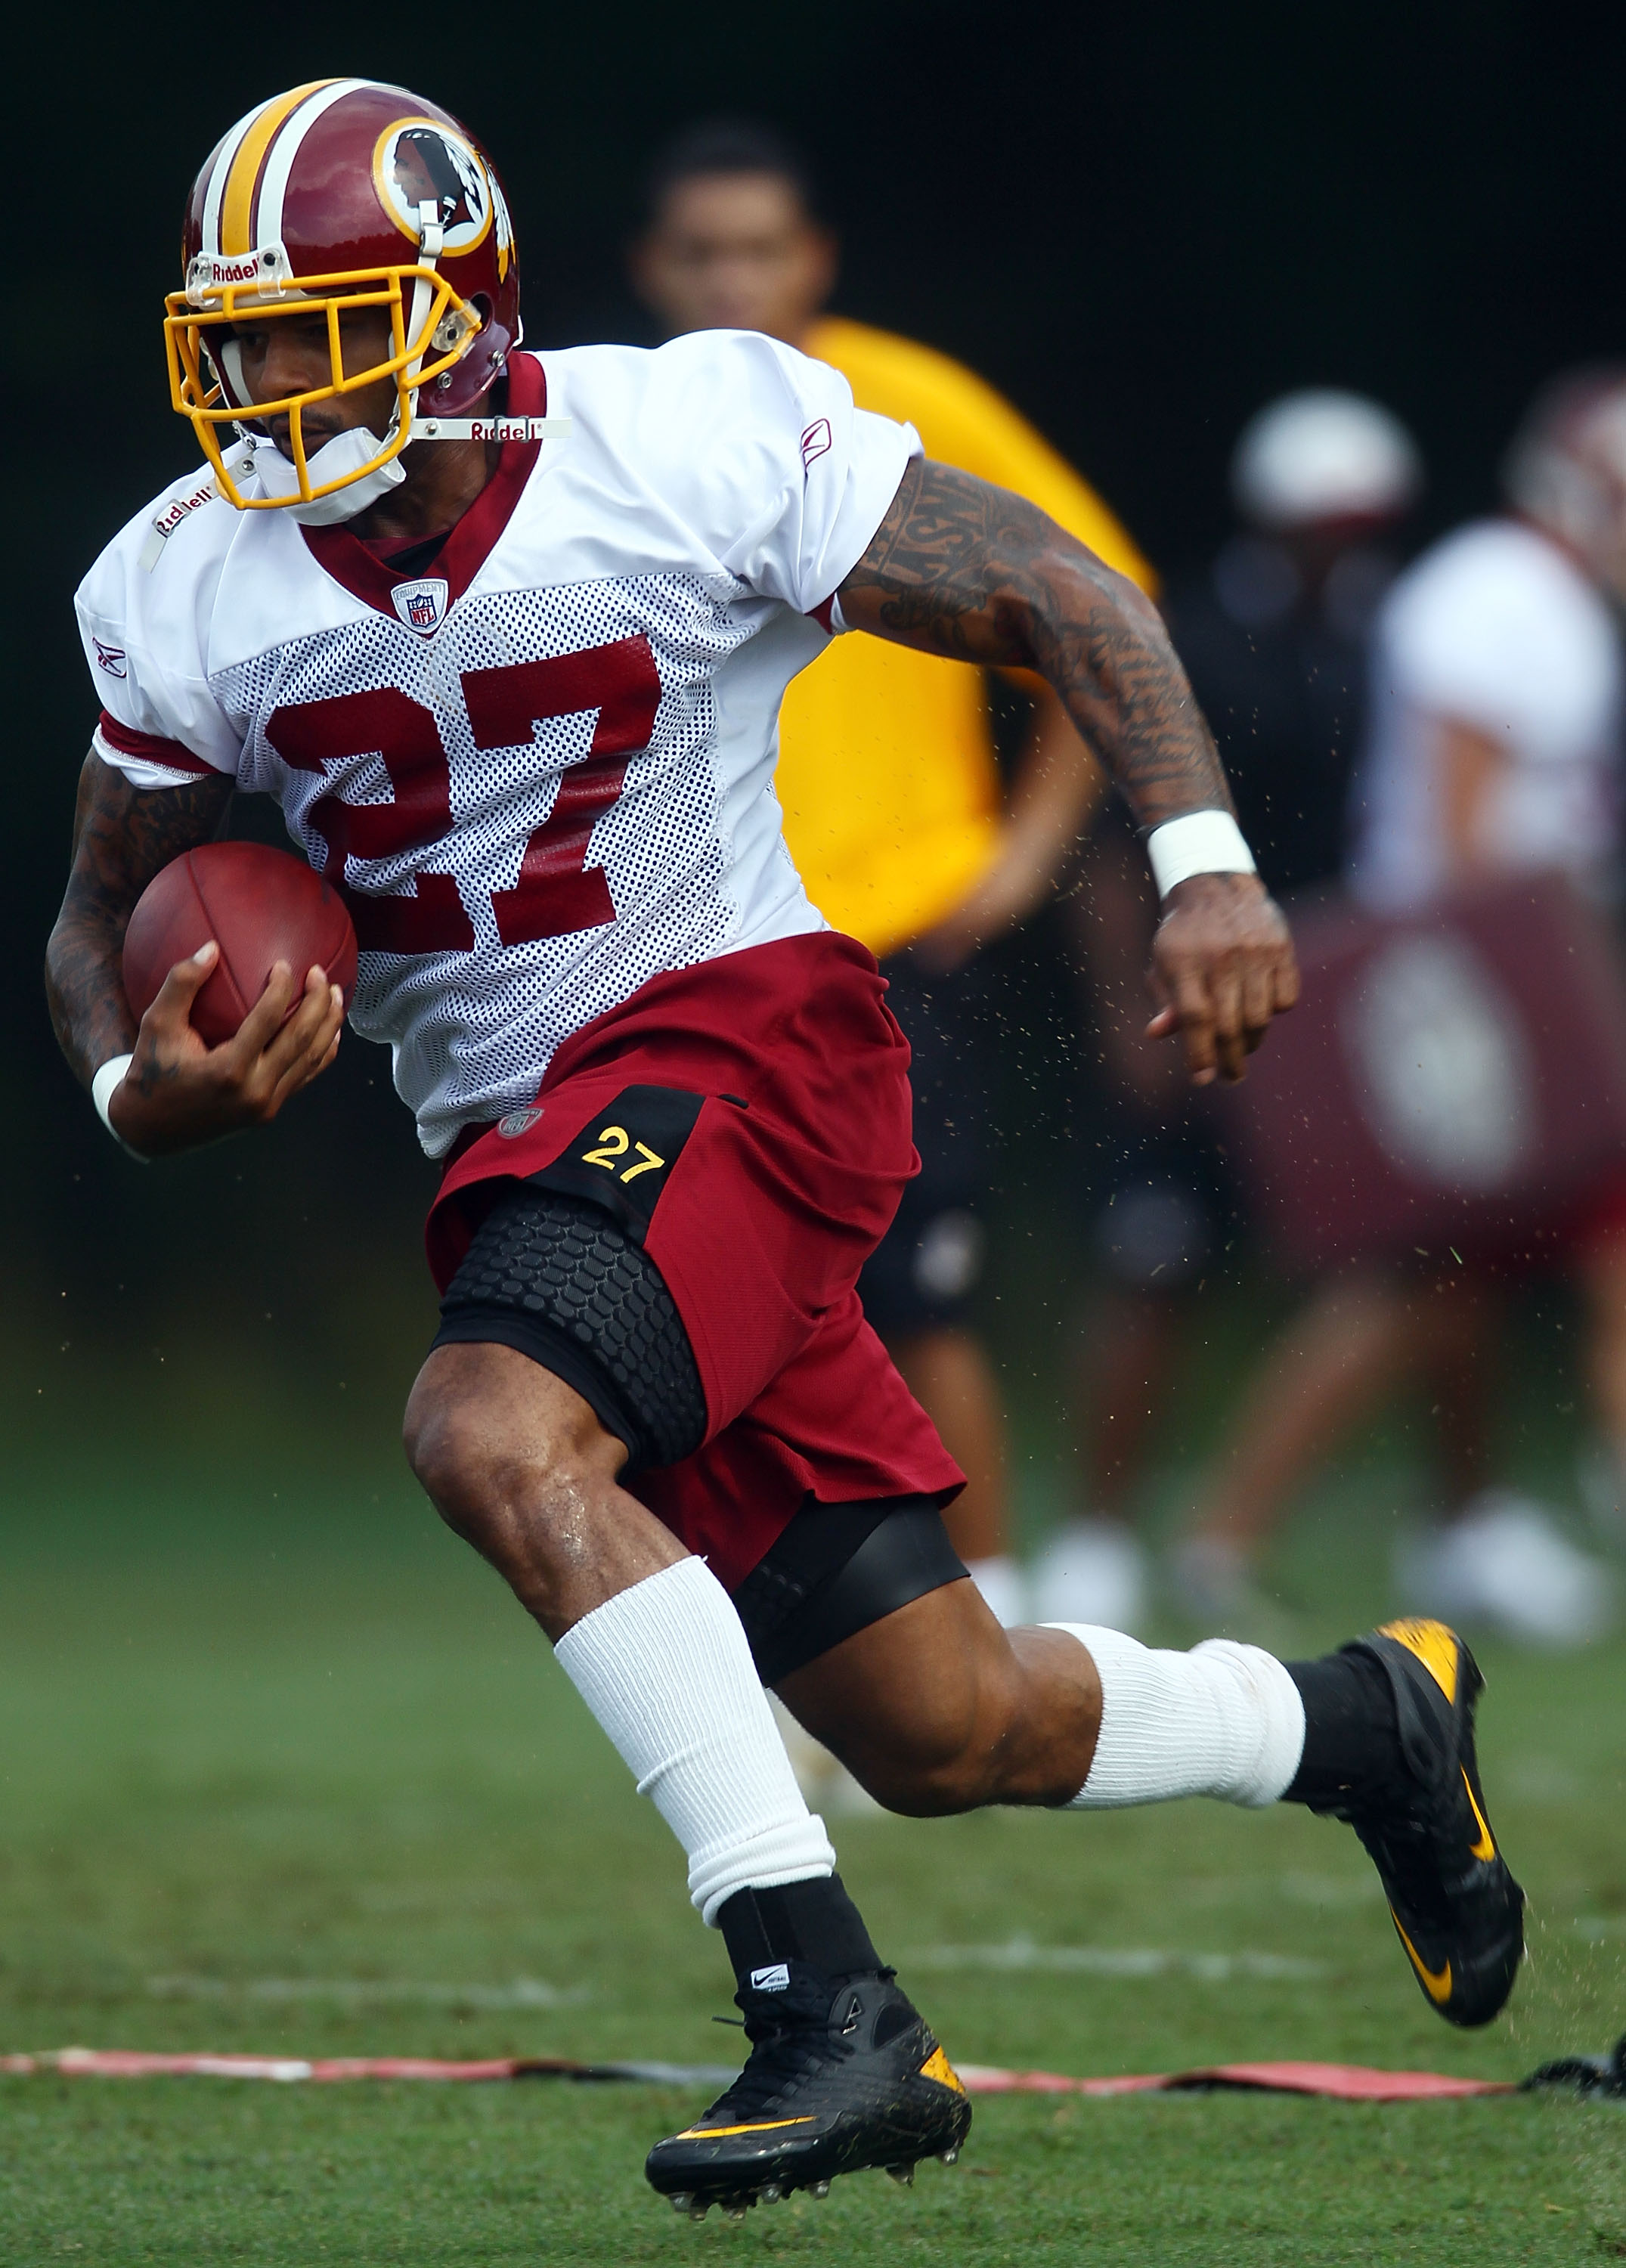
x=483 y=361
x=459 y=328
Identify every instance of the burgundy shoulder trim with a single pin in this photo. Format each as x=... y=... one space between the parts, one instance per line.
x=821 y=614
x=471 y=542
x=153 y=749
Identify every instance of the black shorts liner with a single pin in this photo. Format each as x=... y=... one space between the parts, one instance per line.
x=836 y=1569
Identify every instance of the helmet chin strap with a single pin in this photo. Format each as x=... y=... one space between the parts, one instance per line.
x=492 y=428
x=345 y=453
x=431 y=242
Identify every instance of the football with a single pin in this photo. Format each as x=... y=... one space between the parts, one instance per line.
x=259 y=905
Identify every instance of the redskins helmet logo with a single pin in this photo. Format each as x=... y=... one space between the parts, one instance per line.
x=420 y=163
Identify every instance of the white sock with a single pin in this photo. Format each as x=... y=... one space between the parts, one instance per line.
x=666 y=1670
x=1223 y=1720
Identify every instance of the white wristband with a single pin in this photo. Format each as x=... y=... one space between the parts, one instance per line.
x=1198 y=842
x=103 y=1086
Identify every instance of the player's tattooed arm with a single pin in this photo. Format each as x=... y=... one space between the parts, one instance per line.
x=177 y=1092
x=121 y=836
x=961 y=568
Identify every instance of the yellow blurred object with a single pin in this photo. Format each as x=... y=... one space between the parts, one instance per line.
x=887 y=769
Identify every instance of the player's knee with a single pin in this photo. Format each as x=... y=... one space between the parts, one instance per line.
x=443 y=1444
x=928 y=1787
x=498 y=1468
x=943 y=1759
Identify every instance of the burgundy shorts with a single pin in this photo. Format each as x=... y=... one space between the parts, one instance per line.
x=765 y=1146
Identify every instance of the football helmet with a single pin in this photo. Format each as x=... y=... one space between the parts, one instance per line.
x=1324 y=455
x=345 y=193
x=1566 y=468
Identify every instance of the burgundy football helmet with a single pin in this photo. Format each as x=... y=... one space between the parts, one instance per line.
x=1566 y=469
x=342 y=194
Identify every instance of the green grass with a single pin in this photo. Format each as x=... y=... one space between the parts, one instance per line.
x=282 y=1770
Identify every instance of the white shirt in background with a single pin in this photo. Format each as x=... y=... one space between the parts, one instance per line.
x=1497 y=629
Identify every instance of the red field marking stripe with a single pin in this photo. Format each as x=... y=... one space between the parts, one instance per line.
x=132 y=2063
x=126 y=2063
x=1344 y=2083
x=1340 y=2081
x=988 y=2078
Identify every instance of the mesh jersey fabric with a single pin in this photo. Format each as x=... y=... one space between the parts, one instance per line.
x=886 y=771
x=541 y=774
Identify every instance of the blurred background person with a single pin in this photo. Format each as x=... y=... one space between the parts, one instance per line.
x=1274 y=636
x=1494 y=749
x=894 y=808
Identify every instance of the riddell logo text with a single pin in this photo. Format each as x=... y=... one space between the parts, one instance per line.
x=169 y=520
x=241 y=270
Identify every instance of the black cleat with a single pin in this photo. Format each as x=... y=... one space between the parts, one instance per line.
x=1458 y=1911
x=840 y=2077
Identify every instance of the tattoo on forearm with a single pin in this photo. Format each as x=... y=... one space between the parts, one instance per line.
x=121 y=836
x=961 y=568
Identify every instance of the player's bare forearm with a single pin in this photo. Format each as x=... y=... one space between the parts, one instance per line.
x=960 y=568
x=968 y=571
x=177 y=1092
x=123 y=835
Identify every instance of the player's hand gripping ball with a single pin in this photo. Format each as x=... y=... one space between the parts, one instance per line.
x=260 y=906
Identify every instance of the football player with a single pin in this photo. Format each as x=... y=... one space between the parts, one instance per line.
x=506 y=636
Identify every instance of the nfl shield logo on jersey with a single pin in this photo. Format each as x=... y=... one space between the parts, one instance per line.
x=421 y=605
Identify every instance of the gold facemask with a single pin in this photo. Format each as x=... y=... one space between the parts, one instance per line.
x=430 y=328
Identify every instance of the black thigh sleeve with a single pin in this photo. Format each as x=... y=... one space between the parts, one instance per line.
x=554 y=1277
x=837 y=1568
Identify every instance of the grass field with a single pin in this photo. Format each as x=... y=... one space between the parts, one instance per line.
x=283 y=1771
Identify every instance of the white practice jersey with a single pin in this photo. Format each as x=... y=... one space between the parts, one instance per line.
x=539 y=766
x=1496 y=628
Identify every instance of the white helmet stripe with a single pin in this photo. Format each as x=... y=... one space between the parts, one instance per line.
x=216 y=189
x=285 y=148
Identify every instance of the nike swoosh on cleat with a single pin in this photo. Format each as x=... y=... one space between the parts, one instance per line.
x=1438 y=1986
x=713 y=2133
x=1485 y=1848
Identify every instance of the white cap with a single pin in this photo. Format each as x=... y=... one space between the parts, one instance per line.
x=1324 y=455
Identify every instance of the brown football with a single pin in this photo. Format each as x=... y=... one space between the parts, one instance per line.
x=259 y=905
